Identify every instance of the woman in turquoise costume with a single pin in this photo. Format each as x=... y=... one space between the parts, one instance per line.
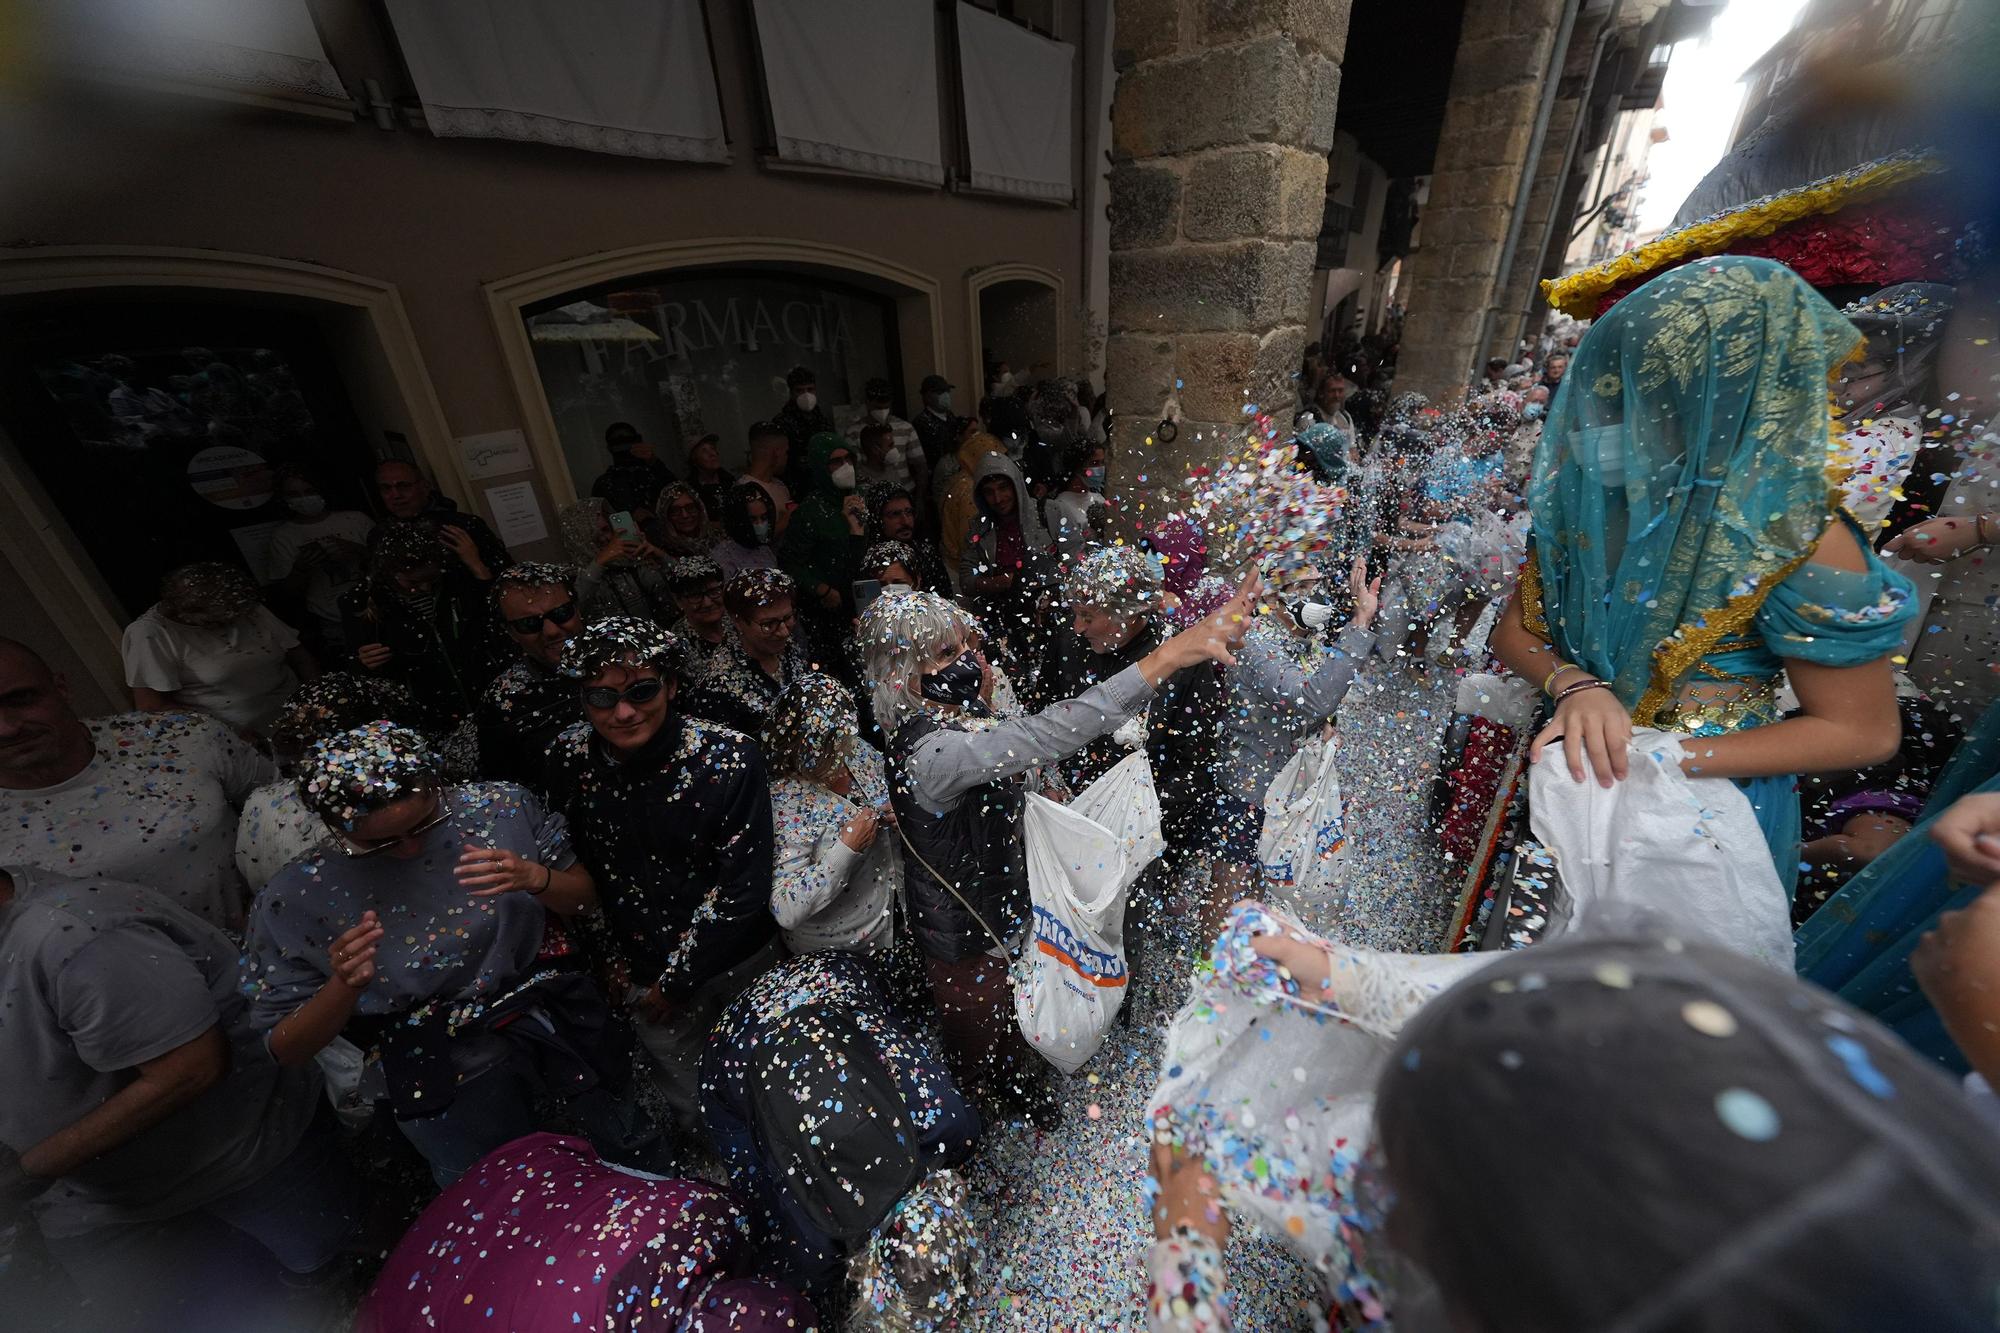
x=1688 y=553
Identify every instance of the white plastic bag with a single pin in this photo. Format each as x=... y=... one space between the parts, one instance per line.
x=1082 y=859
x=1659 y=850
x=1304 y=835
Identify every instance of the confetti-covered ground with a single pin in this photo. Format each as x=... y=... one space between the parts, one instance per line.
x=1069 y=1228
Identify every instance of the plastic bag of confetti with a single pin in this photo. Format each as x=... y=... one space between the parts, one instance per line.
x=1272 y=1086
x=1082 y=859
x=1679 y=854
x=1304 y=834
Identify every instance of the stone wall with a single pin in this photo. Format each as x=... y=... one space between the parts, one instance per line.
x=1220 y=128
x=1496 y=88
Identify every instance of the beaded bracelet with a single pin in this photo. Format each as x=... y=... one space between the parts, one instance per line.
x=1580 y=687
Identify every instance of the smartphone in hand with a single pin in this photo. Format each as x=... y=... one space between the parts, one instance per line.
x=626 y=526
x=865 y=593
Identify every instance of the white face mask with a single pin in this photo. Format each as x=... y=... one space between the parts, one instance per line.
x=761 y=531
x=878 y=415
x=306 y=506
x=807 y=401
x=843 y=477
x=894 y=458
x=942 y=403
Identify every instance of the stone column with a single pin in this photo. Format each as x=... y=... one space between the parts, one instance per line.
x=1496 y=88
x=1220 y=129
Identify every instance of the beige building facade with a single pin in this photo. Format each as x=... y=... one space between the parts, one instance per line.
x=482 y=307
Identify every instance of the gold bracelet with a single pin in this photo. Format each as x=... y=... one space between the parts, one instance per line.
x=1548 y=681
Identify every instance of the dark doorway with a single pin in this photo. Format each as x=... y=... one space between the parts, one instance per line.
x=159 y=427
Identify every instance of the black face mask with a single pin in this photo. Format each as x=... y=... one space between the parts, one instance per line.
x=956 y=683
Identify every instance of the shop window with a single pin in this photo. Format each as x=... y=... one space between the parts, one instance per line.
x=703 y=351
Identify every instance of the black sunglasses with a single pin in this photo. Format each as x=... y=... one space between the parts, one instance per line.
x=602 y=697
x=555 y=615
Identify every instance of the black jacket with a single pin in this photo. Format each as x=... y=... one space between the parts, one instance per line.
x=447 y=657
x=976 y=845
x=520 y=715
x=678 y=838
x=632 y=483
x=1180 y=729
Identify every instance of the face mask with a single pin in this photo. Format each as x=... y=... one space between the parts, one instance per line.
x=1006 y=381
x=807 y=401
x=1312 y=615
x=843 y=477
x=1093 y=477
x=894 y=458
x=1533 y=411
x=306 y=506
x=897 y=587
x=761 y=531
x=956 y=683
x=878 y=415
x=943 y=401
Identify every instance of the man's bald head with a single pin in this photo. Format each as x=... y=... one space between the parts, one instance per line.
x=42 y=741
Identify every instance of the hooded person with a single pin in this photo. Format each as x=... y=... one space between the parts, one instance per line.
x=835 y=1115
x=823 y=542
x=1183 y=550
x=1008 y=554
x=680 y=525
x=957 y=509
x=749 y=531
x=1117 y=604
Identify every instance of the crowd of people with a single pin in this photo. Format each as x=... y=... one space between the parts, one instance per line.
x=651 y=925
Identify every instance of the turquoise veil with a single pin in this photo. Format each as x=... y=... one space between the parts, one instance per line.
x=1682 y=473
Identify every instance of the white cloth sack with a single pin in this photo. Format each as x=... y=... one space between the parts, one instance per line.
x=1082 y=858
x=1659 y=850
x=1304 y=836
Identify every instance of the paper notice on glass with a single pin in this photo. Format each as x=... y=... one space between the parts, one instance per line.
x=495 y=454
x=516 y=515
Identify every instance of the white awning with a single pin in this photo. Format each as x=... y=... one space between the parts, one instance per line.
x=1019 y=126
x=631 y=77
x=264 y=50
x=853 y=85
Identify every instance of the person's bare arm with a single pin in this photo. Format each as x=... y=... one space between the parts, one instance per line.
x=1956 y=963
x=488 y=871
x=1847 y=716
x=159 y=1087
x=153 y=701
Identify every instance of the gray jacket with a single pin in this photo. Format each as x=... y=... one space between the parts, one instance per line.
x=1273 y=698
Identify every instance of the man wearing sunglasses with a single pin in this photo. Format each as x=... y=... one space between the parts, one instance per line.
x=696 y=581
x=740 y=684
x=531 y=702
x=673 y=815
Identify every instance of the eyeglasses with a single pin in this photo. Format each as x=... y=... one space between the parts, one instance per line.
x=603 y=697
x=709 y=593
x=772 y=626
x=555 y=615
x=359 y=847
